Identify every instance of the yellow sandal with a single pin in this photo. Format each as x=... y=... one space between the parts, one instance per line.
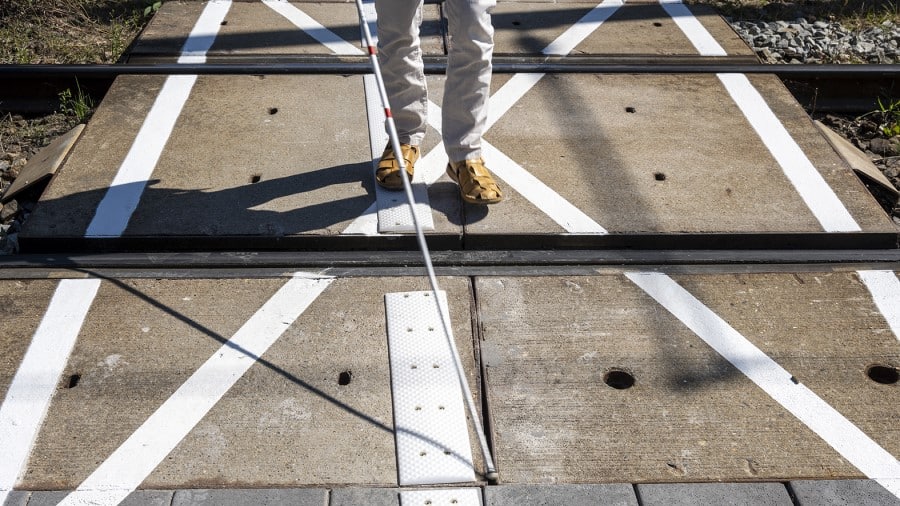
x=388 y=172
x=476 y=185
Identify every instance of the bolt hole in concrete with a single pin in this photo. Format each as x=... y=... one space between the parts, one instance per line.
x=659 y=176
x=255 y=178
x=73 y=381
x=516 y=23
x=630 y=110
x=273 y=110
x=344 y=378
x=657 y=24
x=886 y=375
x=618 y=379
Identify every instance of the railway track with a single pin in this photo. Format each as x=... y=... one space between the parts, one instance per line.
x=688 y=297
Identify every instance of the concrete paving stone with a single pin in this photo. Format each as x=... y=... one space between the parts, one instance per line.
x=842 y=493
x=136 y=498
x=620 y=494
x=638 y=30
x=577 y=134
x=688 y=494
x=260 y=497
x=17 y=498
x=22 y=306
x=287 y=423
x=359 y=496
x=551 y=343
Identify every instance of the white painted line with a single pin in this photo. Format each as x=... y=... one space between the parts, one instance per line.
x=699 y=36
x=509 y=94
x=846 y=438
x=569 y=40
x=28 y=397
x=203 y=35
x=441 y=497
x=121 y=199
x=129 y=465
x=313 y=28
x=560 y=210
x=432 y=435
x=806 y=179
x=885 y=289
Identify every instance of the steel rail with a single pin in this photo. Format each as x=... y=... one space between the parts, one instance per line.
x=501 y=65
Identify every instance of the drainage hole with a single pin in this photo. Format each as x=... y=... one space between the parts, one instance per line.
x=516 y=23
x=618 y=379
x=630 y=110
x=886 y=375
x=73 y=380
x=273 y=110
x=344 y=378
x=659 y=176
x=255 y=178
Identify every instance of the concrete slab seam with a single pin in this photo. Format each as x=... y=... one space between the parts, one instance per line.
x=803 y=175
x=121 y=199
x=885 y=289
x=826 y=422
x=28 y=398
x=444 y=496
x=130 y=464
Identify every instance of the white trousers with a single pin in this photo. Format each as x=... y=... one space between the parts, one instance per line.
x=464 y=109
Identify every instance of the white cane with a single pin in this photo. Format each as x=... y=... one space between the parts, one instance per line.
x=491 y=472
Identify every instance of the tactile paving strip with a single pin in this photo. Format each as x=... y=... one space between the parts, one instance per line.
x=429 y=415
x=441 y=497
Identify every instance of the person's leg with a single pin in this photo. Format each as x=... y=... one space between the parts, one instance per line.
x=468 y=77
x=466 y=93
x=400 y=58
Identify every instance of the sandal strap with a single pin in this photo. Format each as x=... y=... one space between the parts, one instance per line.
x=388 y=168
x=475 y=181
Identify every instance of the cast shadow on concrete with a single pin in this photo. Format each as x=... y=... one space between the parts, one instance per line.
x=288 y=375
x=337 y=196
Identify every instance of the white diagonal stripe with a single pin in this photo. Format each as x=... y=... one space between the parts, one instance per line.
x=28 y=397
x=313 y=28
x=122 y=197
x=560 y=210
x=803 y=175
x=569 y=40
x=885 y=289
x=841 y=434
x=123 y=471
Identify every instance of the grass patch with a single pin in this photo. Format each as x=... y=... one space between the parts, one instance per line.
x=69 y=31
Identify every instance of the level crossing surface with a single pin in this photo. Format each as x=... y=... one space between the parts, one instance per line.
x=650 y=383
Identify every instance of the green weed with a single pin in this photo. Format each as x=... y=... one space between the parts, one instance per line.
x=79 y=104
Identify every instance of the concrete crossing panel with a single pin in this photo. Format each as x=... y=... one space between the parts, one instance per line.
x=314 y=409
x=22 y=305
x=596 y=138
x=634 y=29
x=589 y=382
